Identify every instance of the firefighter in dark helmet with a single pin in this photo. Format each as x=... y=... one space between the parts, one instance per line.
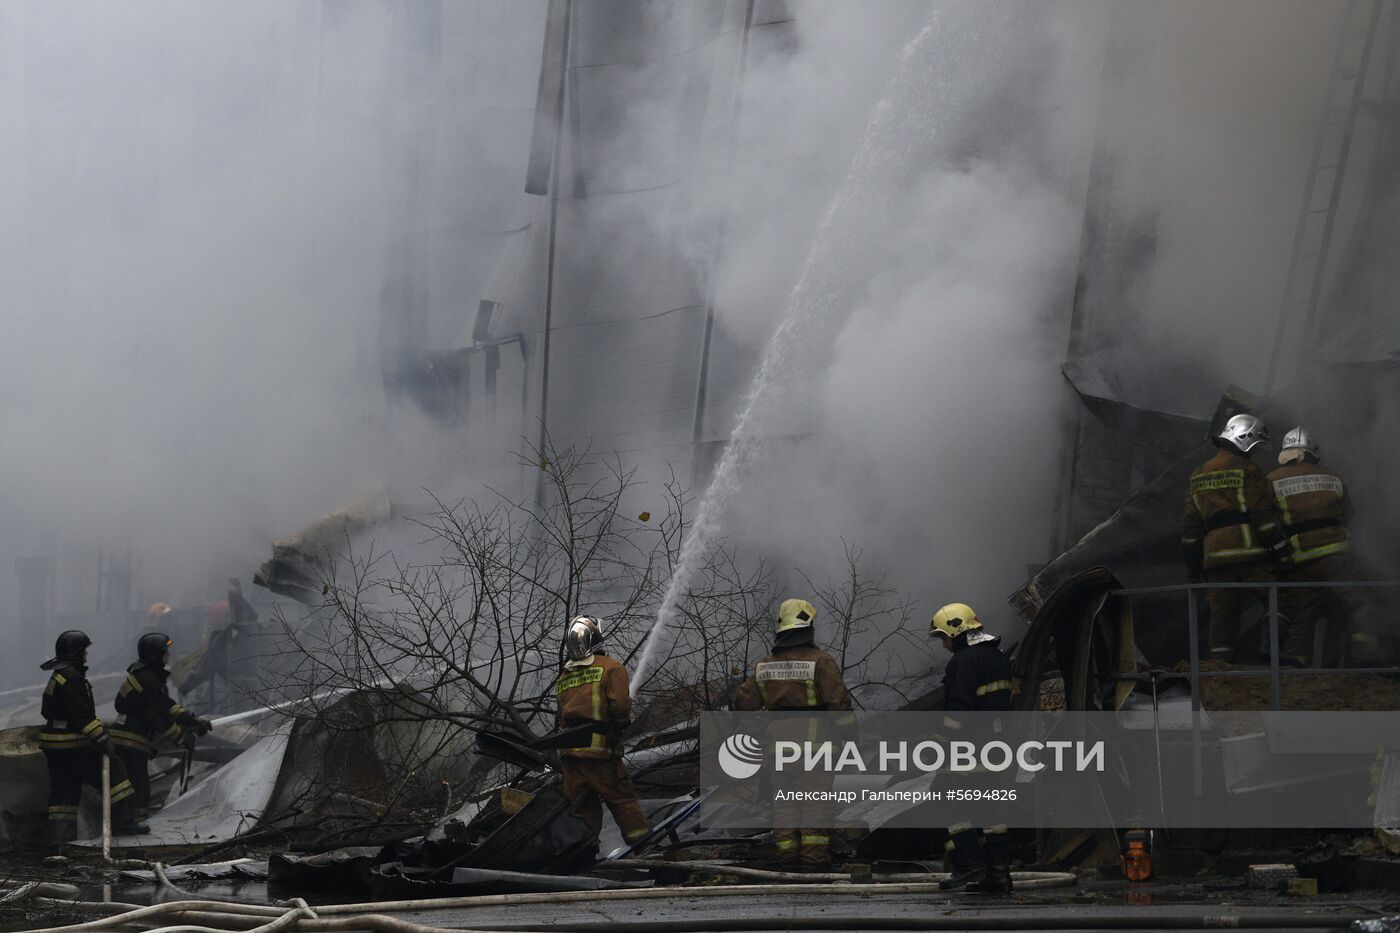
x=593 y=688
x=798 y=677
x=147 y=714
x=978 y=678
x=1315 y=509
x=74 y=741
x=1230 y=531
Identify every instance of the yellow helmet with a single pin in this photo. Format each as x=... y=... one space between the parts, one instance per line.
x=158 y=609
x=795 y=614
x=953 y=620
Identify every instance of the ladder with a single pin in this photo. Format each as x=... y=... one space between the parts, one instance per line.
x=1322 y=189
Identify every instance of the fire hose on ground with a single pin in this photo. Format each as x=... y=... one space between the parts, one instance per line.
x=224 y=917
x=1024 y=880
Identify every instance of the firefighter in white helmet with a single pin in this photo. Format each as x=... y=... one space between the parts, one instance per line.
x=978 y=678
x=1230 y=529
x=593 y=688
x=1316 y=510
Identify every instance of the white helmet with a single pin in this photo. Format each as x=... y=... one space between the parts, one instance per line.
x=1244 y=433
x=1300 y=439
x=583 y=636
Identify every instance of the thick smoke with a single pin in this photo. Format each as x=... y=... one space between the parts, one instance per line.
x=208 y=215
x=914 y=421
x=930 y=433
x=1210 y=114
x=202 y=208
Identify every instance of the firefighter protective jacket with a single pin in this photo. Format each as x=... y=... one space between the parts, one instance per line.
x=147 y=710
x=978 y=678
x=69 y=712
x=1313 y=504
x=1231 y=516
x=596 y=693
x=800 y=678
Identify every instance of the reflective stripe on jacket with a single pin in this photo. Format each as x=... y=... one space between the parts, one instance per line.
x=596 y=693
x=148 y=712
x=978 y=677
x=798 y=678
x=1230 y=515
x=1313 y=504
x=70 y=715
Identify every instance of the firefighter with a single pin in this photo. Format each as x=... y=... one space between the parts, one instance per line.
x=1315 y=510
x=593 y=688
x=798 y=677
x=977 y=678
x=147 y=713
x=74 y=740
x=1230 y=532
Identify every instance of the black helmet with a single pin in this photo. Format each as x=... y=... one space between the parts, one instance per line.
x=152 y=646
x=68 y=647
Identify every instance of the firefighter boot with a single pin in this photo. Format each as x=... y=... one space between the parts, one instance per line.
x=998 y=876
x=127 y=820
x=969 y=865
x=60 y=833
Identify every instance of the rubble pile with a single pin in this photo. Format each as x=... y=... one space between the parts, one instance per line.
x=1298 y=691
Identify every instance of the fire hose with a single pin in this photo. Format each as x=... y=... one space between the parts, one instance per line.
x=222 y=917
x=1024 y=880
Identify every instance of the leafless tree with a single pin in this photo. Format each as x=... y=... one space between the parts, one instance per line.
x=872 y=638
x=412 y=649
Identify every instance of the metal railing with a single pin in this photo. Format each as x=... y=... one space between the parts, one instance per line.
x=1275 y=672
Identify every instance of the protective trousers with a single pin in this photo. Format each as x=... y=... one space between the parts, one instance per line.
x=1342 y=605
x=802 y=828
x=69 y=770
x=1225 y=604
x=610 y=783
x=137 y=765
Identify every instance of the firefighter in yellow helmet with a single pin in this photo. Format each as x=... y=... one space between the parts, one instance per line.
x=978 y=677
x=593 y=688
x=797 y=677
x=1315 y=509
x=1230 y=529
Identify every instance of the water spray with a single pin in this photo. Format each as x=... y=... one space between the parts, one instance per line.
x=900 y=129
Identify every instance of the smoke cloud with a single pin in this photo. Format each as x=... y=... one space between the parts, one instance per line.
x=202 y=206
x=221 y=228
x=930 y=434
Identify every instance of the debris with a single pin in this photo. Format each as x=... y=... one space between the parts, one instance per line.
x=339 y=870
x=1310 y=692
x=1302 y=887
x=393 y=881
x=1270 y=876
x=245 y=869
x=1378 y=925
x=512 y=801
x=299 y=560
x=543 y=836
x=1322 y=864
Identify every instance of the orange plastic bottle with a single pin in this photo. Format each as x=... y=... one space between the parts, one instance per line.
x=1137 y=854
